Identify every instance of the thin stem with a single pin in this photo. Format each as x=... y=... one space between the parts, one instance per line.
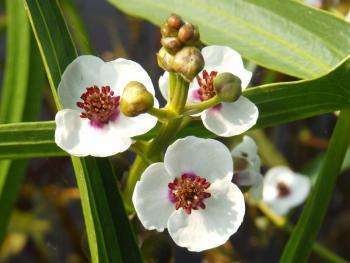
x=199 y=107
x=179 y=89
x=162 y=114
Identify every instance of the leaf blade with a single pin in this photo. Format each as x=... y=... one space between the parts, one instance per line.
x=275 y=34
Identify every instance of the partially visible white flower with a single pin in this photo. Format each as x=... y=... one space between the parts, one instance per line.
x=247 y=167
x=284 y=189
x=191 y=194
x=228 y=118
x=91 y=122
x=314 y=3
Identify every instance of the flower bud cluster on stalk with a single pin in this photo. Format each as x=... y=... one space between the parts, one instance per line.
x=179 y=52
x=183 y=185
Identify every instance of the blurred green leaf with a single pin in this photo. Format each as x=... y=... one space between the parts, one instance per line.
x=108 y=230
x=76 y=26
x=20 y=99
x=282 y=35
x=28 y=140
x=304 y=234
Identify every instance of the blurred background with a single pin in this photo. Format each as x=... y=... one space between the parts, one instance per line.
x=47 y=224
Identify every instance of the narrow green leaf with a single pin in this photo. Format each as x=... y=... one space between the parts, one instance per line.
x=304 y=234
x=20 y=99
x=282 y=35
x=28 y=140
x=76 y=26
x=109 y=233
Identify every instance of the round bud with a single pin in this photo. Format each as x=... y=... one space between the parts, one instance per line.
x=174 y=21
x=136 y=99
x=227 y=87
x=168 y=31
x=188 y=62
x=188 y=33
x=172 y=44
x=165 y=60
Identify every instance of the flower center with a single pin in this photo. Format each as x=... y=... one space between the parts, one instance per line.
x=188 y=192
x=206 y=87
x=99 y=105
x=283 y=190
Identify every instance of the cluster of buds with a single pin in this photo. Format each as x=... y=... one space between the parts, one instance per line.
x=176 y=34
x=179 y=52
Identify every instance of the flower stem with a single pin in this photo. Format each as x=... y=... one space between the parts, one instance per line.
x=178 y=90
x=199 y=107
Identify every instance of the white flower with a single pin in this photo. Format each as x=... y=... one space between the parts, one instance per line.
x=191 y=194
x=247 y=167
x=91 y=122
x=226 y=119
x=284 y=189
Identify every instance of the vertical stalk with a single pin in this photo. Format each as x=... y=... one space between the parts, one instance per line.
x=178 y=89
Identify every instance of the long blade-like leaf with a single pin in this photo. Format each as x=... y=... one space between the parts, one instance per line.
x=282 y=35
x=109 y=233
x=20 y=99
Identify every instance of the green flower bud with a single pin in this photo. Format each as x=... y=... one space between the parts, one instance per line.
x=227 y=87
x=188 y=62
x=165 y=60
x=136 y=99
x=188 y=34
x=171 y=44
x=174 y=21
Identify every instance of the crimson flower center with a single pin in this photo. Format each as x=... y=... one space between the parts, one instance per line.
x=188 y=192
x=99 y=105
x=206 y=88
x=283 y=190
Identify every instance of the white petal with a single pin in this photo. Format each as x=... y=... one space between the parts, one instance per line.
x=77 y=137
x=207 y=158
x=83 y=72
x=151 y=197
x=210 y=227
x=128 y=70
x=133 y=126
x=163 y=83
x=225 y=59
x=231 y=119
x=298 y=184
x=249 y=150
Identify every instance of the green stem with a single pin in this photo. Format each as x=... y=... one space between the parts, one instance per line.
x=162 y=114
x=199 y=107
x=300 y=243
x=179 y=89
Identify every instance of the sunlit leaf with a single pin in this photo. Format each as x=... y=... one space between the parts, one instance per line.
x=282 y=35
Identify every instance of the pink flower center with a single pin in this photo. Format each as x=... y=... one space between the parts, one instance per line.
x=283 y=190
x=99 y=105
x=188 y=192
x=206 y=87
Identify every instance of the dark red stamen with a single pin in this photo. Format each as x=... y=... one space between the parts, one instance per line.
x=283 y=190
x=99 y=105
x=206 y=87
x=188 y=192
